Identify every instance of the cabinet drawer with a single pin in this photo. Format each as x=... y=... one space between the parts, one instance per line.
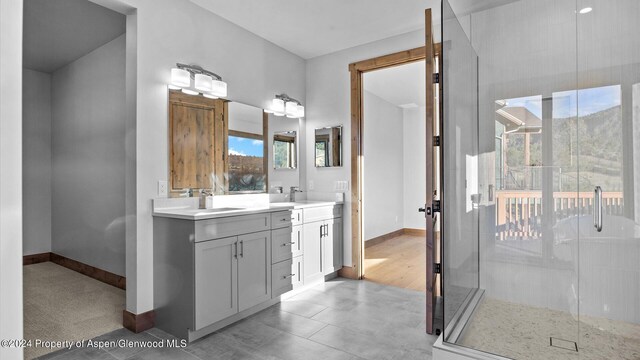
x=282 y=277
x=287 y=275
x=280 y=219
x=322 y=213
x=296 y=217
x=231 y=226
x=281 y=245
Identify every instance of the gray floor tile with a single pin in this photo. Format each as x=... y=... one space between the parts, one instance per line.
x=252 y=333
x=362 y=345
x=289 y=322
x=328 y=300
x=341 y=319
x=218 y=346
x=350 y=320
x=80 y=354
x=163 y=354
x=126 y=351
x=290 y=347
x=301 y=307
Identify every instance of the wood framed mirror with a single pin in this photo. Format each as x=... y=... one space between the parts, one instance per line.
x=200 y=157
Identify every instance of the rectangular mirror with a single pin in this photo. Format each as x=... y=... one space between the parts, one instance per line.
x=216 y=144
x=328 y=147
x=284 y=150
x=247 y=170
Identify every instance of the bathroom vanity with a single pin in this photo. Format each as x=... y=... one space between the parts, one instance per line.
x=213 y=267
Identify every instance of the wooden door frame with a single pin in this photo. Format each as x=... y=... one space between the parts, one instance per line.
x=357 y=69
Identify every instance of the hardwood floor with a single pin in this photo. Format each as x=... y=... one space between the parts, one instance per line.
x=398 y=262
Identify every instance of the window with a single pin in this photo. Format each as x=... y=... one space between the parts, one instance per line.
x=246 y=162
x=322 y=153
x=284 y=151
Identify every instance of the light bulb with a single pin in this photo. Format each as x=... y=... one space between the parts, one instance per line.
x=180 y=78
x=277 y=106
x=219 y=88
x=189 y=92
x=203 y=82
x=291 y=109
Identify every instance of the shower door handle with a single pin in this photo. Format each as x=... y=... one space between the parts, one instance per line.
x=597 y=208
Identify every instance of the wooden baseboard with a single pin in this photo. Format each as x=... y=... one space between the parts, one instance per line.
x=138 y=322
x=36 y=258
x=382 y=238
x=415 y=232
x=348 y=272
x=90 y=271
x=378 y=239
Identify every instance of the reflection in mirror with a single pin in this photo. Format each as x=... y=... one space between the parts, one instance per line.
x=284 y=150
x=246 y=149
x=195 y=154
x=328 y=146
x=215 y=144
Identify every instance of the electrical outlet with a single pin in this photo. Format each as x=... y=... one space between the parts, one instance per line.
x=162 y=188
x=311 y=186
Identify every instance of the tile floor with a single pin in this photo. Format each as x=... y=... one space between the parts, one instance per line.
x=340 y=319
x=522 y=332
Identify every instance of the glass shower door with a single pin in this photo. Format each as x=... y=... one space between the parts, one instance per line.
x=608 y=110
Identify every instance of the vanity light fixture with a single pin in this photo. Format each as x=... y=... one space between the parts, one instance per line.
x=207 y=83
x=586 y=10
x=283 y=105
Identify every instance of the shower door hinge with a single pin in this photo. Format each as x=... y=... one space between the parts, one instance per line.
x=436 y=141
x=436 y=78
x=437 y=268
x=435 y=206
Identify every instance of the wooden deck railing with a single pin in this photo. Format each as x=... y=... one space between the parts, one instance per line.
x=519 y=212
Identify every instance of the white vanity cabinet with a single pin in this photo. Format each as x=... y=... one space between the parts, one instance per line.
x=210 y=272
x=322 y=242
x=231 y=275
x=216 y=281
x=204 y=278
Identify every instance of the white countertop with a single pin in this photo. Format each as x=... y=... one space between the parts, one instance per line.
x=189 y=213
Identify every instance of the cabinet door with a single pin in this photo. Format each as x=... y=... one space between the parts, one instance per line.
x=216 y=271
x=254 y=269
x=312 y=245
x=281 y=245
x=332 y=246
x=297 y=269
x=297 y=238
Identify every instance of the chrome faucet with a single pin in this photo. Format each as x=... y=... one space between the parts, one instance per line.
x=292 y=193
x=187 y=193
x=202 y=200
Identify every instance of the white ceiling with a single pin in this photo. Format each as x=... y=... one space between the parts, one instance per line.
x=57 y=32
x=400 y=85
x=310 y=28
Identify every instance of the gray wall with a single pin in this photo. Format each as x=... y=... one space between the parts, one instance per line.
x=36 y=161
x=383 y=167
x=88 y=138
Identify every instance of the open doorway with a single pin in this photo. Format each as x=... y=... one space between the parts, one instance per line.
x=430 y=54
x=394 y=174
x=74 y=159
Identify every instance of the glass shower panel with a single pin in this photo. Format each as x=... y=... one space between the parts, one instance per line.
x=608 y=229
x=460 y=168
x=527 y=148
